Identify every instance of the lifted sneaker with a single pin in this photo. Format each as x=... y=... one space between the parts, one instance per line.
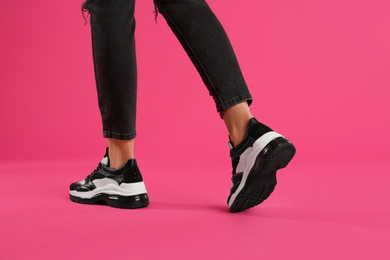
x=119 y=188
x=255 y=161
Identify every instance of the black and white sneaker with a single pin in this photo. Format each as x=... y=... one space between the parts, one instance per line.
x=119 y=188
x=255 y=162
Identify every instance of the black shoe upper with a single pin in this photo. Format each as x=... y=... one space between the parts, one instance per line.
x=254 y=131
x=128 y=173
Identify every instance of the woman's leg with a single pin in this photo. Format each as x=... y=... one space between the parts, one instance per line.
x=113 y=46
x=206 y=43
x=209 y=48
x=117 y=180
x=256 y=151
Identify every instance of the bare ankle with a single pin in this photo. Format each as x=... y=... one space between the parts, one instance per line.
x=236 y=120
x=119 y=152
x=236 y=139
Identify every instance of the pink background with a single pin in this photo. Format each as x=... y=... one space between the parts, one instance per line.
x=319 y=72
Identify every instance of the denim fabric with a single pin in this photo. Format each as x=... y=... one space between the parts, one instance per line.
x=113 y=45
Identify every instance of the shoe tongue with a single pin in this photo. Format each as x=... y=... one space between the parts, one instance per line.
x=106 y=160
x=230 y=144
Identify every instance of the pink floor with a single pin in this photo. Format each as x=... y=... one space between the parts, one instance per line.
x=319 y=74
x=318 y=211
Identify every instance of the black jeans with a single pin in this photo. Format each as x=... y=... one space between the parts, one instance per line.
x=113 y=45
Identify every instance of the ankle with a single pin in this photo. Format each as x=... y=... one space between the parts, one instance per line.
x=119 y=152
x=236 y=120
x=237 y=132
x=118 y=162
x=237 y=135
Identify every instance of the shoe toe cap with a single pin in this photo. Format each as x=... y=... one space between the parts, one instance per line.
x=78 y=187
x=74 y=186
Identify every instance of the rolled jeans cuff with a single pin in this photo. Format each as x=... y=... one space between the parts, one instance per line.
x=119 y=136
x=237 y=100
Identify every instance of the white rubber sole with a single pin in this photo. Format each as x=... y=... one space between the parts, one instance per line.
x=248 y=158
x=111 y=187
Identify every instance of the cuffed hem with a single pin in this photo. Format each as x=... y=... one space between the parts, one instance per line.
x=109 y=134
x=235 y=101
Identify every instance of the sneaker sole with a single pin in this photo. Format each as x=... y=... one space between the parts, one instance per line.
x=261 y=180
x=116 y=201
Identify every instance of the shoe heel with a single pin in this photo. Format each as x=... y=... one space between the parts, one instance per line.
x=127 y=202
x=281 y=151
